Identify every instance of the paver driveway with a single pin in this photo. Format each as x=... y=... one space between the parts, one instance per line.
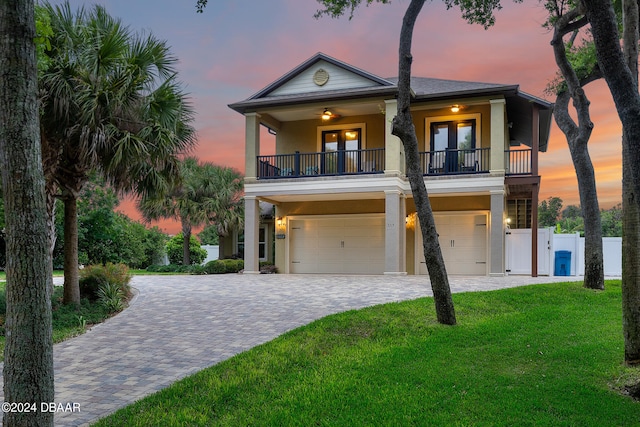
x=178 y=325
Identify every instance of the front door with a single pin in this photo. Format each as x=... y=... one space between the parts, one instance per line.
x=341 y=151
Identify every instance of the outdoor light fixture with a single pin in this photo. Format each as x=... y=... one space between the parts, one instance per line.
x=326 y=115
x=455 y=108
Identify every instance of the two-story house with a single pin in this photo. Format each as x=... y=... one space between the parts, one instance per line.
x=337 y=179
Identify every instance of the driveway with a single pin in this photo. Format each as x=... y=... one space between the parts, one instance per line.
x=178 y=325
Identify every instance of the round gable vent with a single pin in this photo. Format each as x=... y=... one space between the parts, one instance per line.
x=321 y=77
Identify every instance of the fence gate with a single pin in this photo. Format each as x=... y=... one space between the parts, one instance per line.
x=518 y=251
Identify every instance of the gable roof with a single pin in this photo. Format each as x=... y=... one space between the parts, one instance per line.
x=347 y=82
x=320 y=58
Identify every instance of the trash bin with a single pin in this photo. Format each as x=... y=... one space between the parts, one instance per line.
x=562 y=263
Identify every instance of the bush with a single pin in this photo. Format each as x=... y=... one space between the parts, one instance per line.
x=215 y=267
x=111 y=296
x=177 y=268
x=93 y=277
x=222 y=266
x=174 y=250
x=268 y=268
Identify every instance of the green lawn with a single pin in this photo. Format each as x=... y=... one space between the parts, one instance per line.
x=544 y=355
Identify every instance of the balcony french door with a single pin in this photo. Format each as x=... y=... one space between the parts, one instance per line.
x=453 y=139
x=340 y=150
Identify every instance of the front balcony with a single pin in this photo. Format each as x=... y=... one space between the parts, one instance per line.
x=372 y=161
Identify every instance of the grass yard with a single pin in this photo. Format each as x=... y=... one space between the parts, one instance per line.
x=544 y=355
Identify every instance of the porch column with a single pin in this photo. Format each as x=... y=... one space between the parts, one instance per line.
x=395 y=233
x=498 y=138
x=394 y=150
x=496 y=234
x=251 y=235
x=251 y=145
x=535 y=147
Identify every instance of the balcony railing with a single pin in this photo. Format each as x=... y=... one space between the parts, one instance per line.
x=475 y=160
x=342 y=162
x=518 y=162
x=372 y=161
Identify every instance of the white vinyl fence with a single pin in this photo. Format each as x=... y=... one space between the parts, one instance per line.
x=518 y=253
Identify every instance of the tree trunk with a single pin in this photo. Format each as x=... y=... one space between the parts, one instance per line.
x=186 y=249
x=28 y=353
x=577 y=140
x=623 y=84
x=51 y=226
x=404 y=129
x=593 y=254
x=630 y=207
x=71 y=279
x=577 y=136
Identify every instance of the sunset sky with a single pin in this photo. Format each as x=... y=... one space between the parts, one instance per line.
x=237 y=47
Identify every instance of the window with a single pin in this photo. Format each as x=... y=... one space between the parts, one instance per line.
x=451 y=142
x=340 y=148
x=453 y=135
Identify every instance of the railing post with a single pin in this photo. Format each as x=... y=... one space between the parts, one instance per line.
x=296 y=164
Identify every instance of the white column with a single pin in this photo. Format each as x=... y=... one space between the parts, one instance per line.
x=252 y=145
x=395 y=233
x=251 y=235
x=496 y=234
x=498 y=113
x=394 y=150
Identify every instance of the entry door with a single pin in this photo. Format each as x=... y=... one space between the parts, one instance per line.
x=341 y=151
x=463 y=241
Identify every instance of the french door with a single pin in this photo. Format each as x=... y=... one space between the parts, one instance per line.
x=341 y=151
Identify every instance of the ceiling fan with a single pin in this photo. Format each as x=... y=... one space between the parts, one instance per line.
x=327 y=114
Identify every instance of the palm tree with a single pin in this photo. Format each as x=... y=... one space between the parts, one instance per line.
x=111 y=103
x=205 y=194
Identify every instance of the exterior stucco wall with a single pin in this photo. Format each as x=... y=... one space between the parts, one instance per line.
x=302 y=135
x=420 y=115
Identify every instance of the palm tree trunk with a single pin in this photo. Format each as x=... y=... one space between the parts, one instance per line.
x=71 y=280
x=186 y=250
x=51 y=227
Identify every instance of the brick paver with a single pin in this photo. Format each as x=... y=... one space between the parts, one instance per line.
x=178 y=325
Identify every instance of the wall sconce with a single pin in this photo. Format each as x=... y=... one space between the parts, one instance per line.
x=410 y=221
x=507 y=224
x=281 y=227
x=455 y=108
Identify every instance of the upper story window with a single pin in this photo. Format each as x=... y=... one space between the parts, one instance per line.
x=453 y=134
x=459 y=132
x=451 y=142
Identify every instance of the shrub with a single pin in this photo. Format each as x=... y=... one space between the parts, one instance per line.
x=215 y=267
x=111 y=296
x=197 y=269
x=174 y=250
x=268 y=268
x=233 y=265
x=95 y=276
x=221 y=266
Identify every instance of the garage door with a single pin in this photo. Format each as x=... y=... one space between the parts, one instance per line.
x=349 y=245
x=463 y=240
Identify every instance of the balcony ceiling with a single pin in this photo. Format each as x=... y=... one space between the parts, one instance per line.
x=314 y=112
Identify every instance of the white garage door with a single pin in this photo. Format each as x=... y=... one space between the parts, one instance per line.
x=347 y=244
x=463 y=241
